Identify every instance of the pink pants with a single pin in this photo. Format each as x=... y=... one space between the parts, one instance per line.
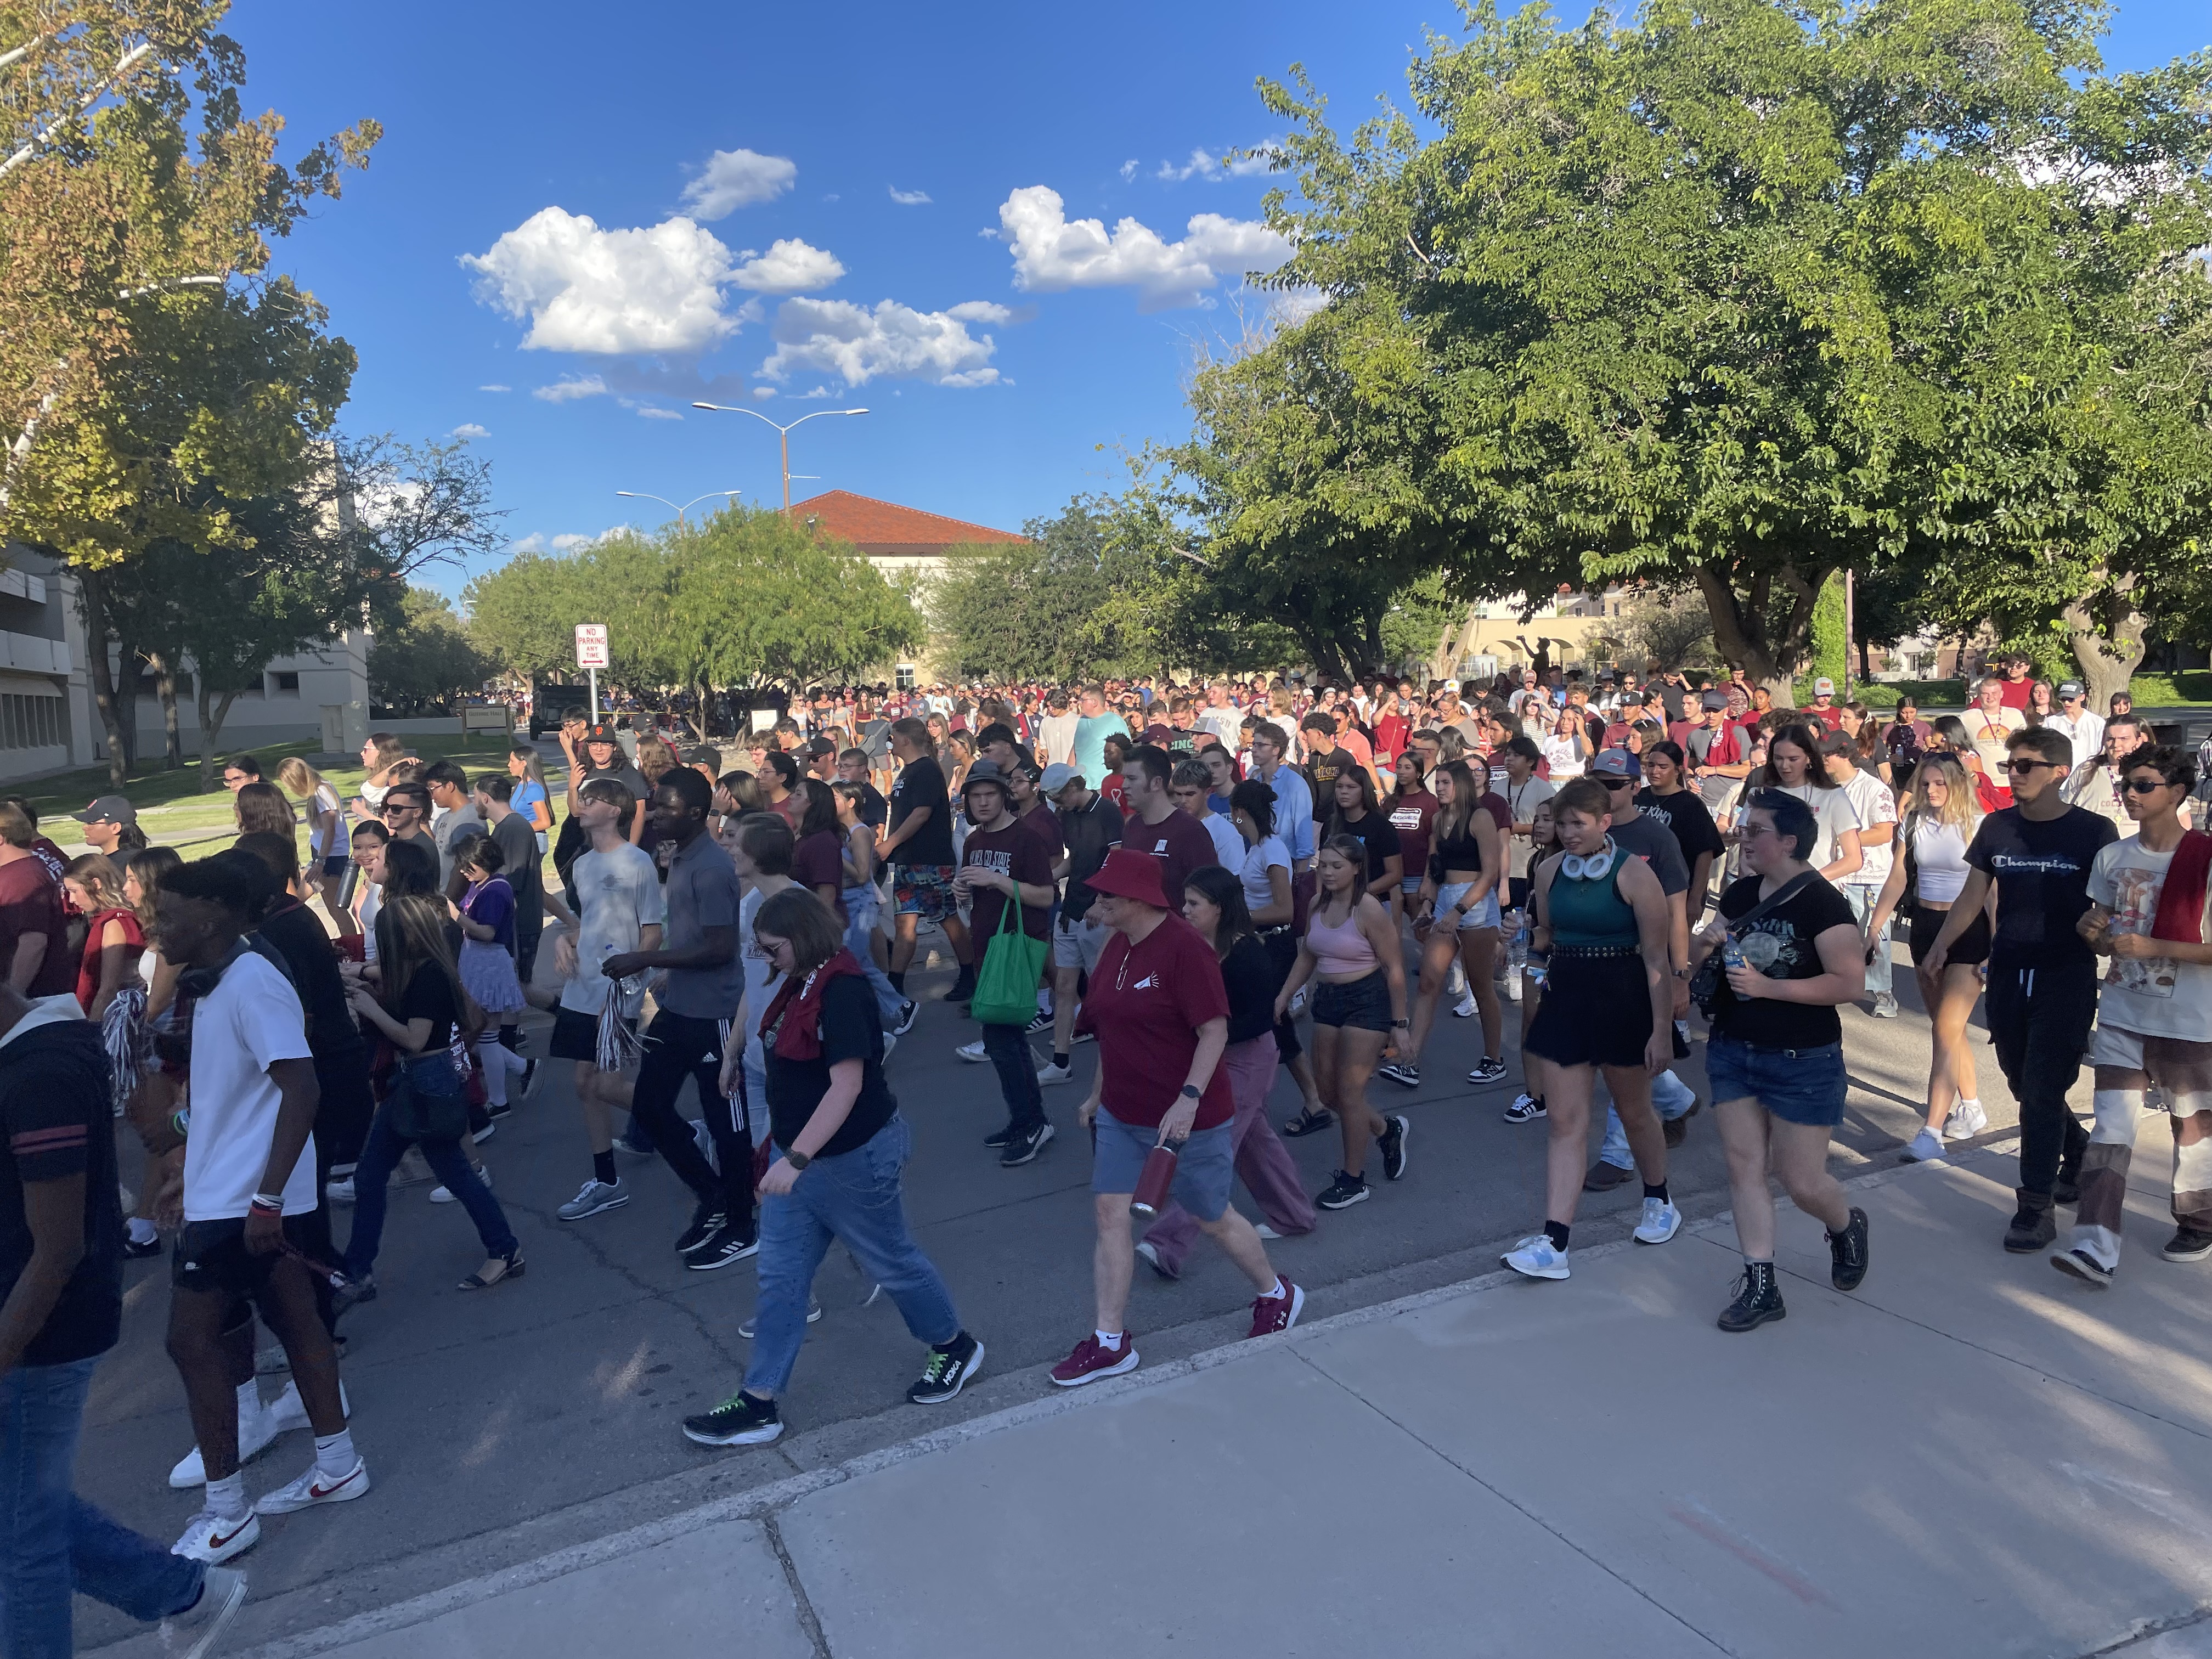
x=1263 y=1163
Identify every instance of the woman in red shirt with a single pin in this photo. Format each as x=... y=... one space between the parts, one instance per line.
x=113 y=938
x=1160 y=1011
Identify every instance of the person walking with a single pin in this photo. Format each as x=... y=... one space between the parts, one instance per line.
x=842 y=1150
x=1455 y=917
x=2043 y=975
x=1090 y=830
x=863 y=908
x=1003 y=863
x=1607 y=1002
x=1161 y=1014
x=484 y=913
x=918 y=845
x=1775 y=1057
x=1875 y=808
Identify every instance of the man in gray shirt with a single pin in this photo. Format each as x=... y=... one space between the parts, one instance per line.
x=699 y=951
x=455 y=823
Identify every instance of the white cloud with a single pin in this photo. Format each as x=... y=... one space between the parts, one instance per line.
x=1053 y=253
x=738 y=178
x=571 y=387
x=568 y=543
x=989 y=232
x=653 y=412
x=468 y=430
x=892 y=341
x=1128 y=169
x=495 y=388
x=1204 y=164
x=980 y=311
x=607 y=291
x=909 y=197
x=788 y=267
x=762 y=393
x=533 y=543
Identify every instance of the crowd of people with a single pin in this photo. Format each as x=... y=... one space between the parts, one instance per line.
x=1211 y=883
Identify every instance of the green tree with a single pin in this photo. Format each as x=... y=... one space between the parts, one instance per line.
x=1051 y=607
x=426 y=657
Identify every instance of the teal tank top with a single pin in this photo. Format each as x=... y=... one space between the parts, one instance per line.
x=1589 y=914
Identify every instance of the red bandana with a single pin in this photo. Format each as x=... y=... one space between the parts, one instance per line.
x=2181 y=898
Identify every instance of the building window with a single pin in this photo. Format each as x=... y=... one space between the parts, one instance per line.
x=905 y=677
x=284 y=680
x=30 y=722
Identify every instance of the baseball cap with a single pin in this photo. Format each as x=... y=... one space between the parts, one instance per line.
x=1713 y=700
x=108 y=808
x=1824 y=687
x=2073 y=688
x=1617 y=763
x=602 y=733
x=1057 y=777
x=702 y=754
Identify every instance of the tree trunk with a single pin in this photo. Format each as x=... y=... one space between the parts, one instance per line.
x=211 y=719
x=2106 y=630
x=118 y=711
x=165 y=687
x=1766 y=635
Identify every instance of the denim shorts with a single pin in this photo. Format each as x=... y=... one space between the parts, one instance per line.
x=1364 y=1004
x=1798 y=1085
x=1485 y=914
x=1205 y=1163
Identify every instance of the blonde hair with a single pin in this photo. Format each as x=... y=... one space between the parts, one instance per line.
x=301 y=779
x=1962 y=807
x=96 y=874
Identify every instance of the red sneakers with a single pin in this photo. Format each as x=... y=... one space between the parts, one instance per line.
x=1271 y=1313
x=1090 y=1362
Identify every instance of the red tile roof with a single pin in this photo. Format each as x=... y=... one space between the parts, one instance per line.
x=886 y=528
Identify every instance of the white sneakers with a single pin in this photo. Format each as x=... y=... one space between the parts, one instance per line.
x=256 y=1431
x=444 y=1195
x=1923 y=1148
x=1661 y=1221
x=973 y=1053
x=215 y=1538
x=1048 y=1074
x=594 y=1196
x=1537 y=1257
x=314 y=1488
x=1465 y=1008
x=1968 y=1119
x=222 y=1592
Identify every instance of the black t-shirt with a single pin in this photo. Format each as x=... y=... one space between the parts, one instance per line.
x=1655 y=843
x=873 y=809
x=1090 y=835
x=1781 y=946
x=850 y=1030
x=430 y=996
x=58 y=1122
x=1685 y=814
x=312 y=968
x=1322 y=772
x=919 y=787
x=2042 y=873
x=518 y=845
x=1376 y=833
x=1249 y=979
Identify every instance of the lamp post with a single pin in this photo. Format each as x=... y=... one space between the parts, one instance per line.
x=644 y=495
x=785 y=431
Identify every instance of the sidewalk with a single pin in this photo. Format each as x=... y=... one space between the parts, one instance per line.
x=1971 y=1456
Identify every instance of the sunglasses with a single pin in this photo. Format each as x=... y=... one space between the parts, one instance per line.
x=2144 y=786
x=2031 y=765
x=1618 y=783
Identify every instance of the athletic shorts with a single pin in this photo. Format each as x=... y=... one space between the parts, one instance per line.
x=576 y=1037
x=2180 y=1069
x=1078 y=944
x=1485 y=914
x=212 y=1255
x=1798 y=1085
x=335 y=865
x=1205 y=1163
x=925 y=891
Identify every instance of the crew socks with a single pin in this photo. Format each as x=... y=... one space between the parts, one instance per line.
x=1658 y=1191
x=1060 y=1059
x=1557 y=1232
x=334 y=1454
x=602 y=1168
x=227 y=1496
x=143 y=1231
x=249 y=1397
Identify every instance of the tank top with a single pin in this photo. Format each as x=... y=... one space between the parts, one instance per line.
x=1342 y=949
x=1591 y=914
x=1939 y=861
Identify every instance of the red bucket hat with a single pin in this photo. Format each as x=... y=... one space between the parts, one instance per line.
x=1128 y=873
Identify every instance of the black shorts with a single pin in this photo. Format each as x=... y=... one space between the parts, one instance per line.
x=576 y=1037
x=1970 y=947
x=1362 y=1004
x=1596 y=1010
x=212 y=1255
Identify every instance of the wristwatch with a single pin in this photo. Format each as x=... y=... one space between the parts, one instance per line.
x=797 y=1159
x=1190 y=1092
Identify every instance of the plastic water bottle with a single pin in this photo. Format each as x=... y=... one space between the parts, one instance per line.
x=1516 y=957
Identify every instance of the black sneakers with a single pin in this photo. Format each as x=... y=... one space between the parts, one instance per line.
x=2033 y=1226
x=705 y=1223
x=2187 y=1244
x=1023 y=1146
x=1392 y=1140
x=908 y=1009
x=946 y=1371
x=1758 y=1299
x=722 y=1247
x=1344 y=1192
x=1847 y=1253
x=740 y=1420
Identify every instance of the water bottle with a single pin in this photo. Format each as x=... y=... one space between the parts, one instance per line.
x=1516 y=953
x=1732 y=956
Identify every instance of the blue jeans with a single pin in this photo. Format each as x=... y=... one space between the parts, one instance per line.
x=854 y=1196
x=379 y=1156
x=861 y=910
x=1670 y=1096
x=54 y=1540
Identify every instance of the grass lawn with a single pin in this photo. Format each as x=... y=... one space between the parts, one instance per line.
x=175 y=813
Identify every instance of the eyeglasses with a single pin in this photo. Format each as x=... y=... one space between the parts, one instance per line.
x=2018 y=765
x=2144 y=786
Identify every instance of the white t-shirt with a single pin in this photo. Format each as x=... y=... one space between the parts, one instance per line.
x=249 y=1020
x=1989 y=732
x=1228 y=845
x=1225 y=723
x=2086 y=732
x=319 y=835
x=1252 y=865
x=1872 y=802
x=1056 y=738
x=620 y=892
x=1833 y=810
x=1560 y=753
x=2152 y=996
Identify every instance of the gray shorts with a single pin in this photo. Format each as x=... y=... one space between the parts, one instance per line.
x=1204 y=1167
x=1078 y=944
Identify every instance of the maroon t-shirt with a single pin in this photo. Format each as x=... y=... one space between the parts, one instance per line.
x=1147 y=1002
x=30 y=903
x=1410 y=814
x=818 y=860
x=1178 y=841
x=1044 y=824
x=1013 y=851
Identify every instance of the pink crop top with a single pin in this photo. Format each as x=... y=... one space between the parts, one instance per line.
x=1342 y=949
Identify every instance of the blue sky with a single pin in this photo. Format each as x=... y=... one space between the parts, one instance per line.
x=783 y=207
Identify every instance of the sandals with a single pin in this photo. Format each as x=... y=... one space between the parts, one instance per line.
x=1309 y=1121
x=494 y=1270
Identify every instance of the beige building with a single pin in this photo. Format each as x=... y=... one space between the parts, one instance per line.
x=1571 y=627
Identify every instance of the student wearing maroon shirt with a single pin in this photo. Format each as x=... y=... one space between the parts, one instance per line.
x=817 y=851
x=34 y=955
x=1161 y=1014
x=1001 y=861
x=1152 y=822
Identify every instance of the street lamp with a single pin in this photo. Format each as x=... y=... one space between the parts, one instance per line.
x=730 y=409
x=643 y=495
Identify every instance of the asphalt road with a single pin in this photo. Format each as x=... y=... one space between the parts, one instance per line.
x=500 y=1425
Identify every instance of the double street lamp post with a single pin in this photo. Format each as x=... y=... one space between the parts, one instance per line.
x=784 y=431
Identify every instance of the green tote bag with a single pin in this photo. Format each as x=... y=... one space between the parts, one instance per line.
x=1006 y=985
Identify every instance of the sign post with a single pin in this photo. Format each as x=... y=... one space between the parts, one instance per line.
x=592 y=653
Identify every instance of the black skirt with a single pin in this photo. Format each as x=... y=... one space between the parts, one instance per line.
x=1596 y=1012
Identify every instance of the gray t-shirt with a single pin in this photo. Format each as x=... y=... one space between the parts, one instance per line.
x=620 y=891
x=1655 y=843
x=703 y=893
x=761 y=979
x=454 y=831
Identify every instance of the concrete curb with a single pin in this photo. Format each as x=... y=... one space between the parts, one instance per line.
x=760 y=1502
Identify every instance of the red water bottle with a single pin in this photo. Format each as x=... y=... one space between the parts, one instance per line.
x=1153 y=1183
